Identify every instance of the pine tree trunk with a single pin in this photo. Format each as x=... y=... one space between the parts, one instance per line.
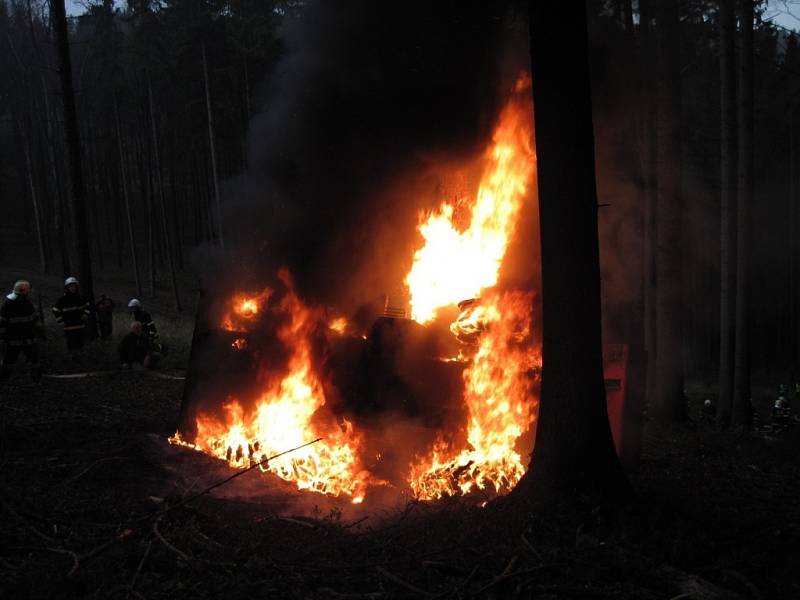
x=727 y=255
x=669 y=402
x=574 y=450
x=213 y=152
x=742 y=412
x=162 y=204
x=73 y=149
x=127 y=203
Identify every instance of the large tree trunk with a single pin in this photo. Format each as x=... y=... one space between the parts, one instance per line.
x=669 y=402
x=574 y=451
x=742 y=412
x=73 y=148
x=727 y=163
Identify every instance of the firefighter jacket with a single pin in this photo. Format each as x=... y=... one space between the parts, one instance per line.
x=72 y=311
x=148 y=327
x=19 y=322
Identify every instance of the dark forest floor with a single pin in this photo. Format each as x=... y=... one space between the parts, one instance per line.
x=84 y=470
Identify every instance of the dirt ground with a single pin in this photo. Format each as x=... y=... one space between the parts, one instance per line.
x=88 y=488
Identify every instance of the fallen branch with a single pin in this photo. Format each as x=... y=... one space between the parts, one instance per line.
x=164 y=541
x=532 y=549
x=402 y=582
x=365 y=595
x=227 y=479
x=131 y=589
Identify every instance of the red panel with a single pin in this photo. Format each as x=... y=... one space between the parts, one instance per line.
x=615 y=372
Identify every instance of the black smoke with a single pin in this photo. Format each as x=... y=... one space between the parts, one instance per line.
x=369 y=101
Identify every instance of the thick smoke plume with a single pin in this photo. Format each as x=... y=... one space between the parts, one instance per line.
x=370 y=105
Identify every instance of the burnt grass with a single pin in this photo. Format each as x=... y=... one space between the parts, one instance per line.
x=85 y=513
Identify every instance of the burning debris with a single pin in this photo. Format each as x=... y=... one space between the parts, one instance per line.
x=323 y=376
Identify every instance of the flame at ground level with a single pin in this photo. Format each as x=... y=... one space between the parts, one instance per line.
x=499 y=396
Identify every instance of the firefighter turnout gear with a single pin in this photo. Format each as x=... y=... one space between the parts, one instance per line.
x=72 y=311
x=143 y=317
x=19 y=328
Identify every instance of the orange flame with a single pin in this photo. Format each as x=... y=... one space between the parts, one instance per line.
x=339 y=325
x=243 y=309
x=453 y=264
x=288 y=414
x=498 y=394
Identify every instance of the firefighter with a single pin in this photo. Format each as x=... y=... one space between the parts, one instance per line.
x=135 y=348
x=19 y=328
x=72 y=311
x=148 y=327
x=104 y=308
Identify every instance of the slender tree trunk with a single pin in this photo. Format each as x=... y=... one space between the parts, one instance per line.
x=59 y=223
x=160 y=185
x=669 y=402
x=37 y=216
x=727 y=255
x=127 y=204
x=574 y=451
x=213 y=152
x=650 y=156
x=742 y=412
x=73 y=147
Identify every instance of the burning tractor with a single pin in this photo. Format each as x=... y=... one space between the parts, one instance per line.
x=435 y=398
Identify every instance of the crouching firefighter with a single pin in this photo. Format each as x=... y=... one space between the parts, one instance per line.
x=135 y=348
x=138 y=314
x=19 y=328
x=72 y=311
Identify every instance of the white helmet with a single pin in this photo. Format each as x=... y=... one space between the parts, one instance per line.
x=70 y=280
x=134 y=303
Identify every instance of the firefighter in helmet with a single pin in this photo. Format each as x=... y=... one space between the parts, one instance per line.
x=148 y=326
x=72 y=311
x=19 y=328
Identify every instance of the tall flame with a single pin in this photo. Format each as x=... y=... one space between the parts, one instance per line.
x=498 y=395
x=286 y=415
x=456 y=264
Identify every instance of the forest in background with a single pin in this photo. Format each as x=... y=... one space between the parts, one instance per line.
x=150 y=78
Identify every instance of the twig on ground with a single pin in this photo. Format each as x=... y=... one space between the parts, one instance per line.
x=131 y=590
x=532 y=549
x=297 y=522
x=365 y=595
x=354 y=523
x=164 y=541
x=72 y=480
x=402 y=582
x=226 y=480
x=75 y=560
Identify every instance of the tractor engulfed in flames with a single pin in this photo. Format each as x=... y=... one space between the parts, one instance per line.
x=316 y=375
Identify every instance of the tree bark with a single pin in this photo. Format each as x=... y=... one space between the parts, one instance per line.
x=727 y=78
x=127 y=203
x=669 y=403
x=742 y=415
x=160 y=185
x=213 y=152
x=73 y=148
x=649 y=158
x=574 y=451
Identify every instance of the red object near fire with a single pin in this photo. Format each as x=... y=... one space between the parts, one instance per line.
x=622 y=401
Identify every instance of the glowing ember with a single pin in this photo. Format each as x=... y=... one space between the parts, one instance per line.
x=239 y=344
x=339 y=325
x=455 y=264
x=287 y=414
x=497 y=391
x=243 y=310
